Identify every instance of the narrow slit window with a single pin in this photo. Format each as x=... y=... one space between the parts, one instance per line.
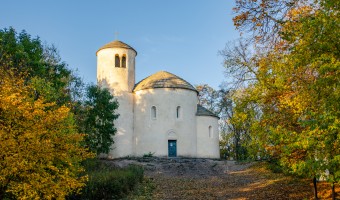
x=178 y=112
x=153 y=112
x=117 y=61
x=210 y=132
x=124 y=61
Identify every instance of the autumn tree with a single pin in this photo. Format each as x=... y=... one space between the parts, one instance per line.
x=41 y=150
x=59 y=109
x=295 y=89
x=52 y=79
x=261 y=20
x=241 y=72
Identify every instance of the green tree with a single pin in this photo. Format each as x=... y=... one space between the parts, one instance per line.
x=98 y=115
x=42 y=64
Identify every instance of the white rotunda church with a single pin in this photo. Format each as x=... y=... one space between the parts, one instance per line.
x=159 y=114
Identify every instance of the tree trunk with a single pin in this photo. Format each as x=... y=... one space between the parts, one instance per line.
x=237 y=147
x=333 y=191
x=315 y=189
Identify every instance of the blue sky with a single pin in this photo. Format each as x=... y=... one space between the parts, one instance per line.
x=179 y=36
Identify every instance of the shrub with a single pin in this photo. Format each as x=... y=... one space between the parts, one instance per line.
x=107 y=182
x=274 y=166
x=148 y=155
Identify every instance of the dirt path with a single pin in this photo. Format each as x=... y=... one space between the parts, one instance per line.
x=213 y=179
x=183 y=167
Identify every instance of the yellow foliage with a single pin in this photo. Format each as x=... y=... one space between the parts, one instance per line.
x=297 y=13
x=40 y=148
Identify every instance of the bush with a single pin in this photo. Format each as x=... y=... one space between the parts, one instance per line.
x=148 y=155
x=107 y=182
x=143 y=191
x=274 y=166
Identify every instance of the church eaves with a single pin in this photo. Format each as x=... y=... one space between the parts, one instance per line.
x=163 y=79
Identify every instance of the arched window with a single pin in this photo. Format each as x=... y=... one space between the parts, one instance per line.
x=178 y=112
x=117 y=61
x=124 y=61
x=210 y=132
x=153 y=112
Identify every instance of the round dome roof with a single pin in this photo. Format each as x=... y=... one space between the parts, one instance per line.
x=163 y=79
x=116 y=44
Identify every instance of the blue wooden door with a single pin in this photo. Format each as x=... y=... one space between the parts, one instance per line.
x=172 y=148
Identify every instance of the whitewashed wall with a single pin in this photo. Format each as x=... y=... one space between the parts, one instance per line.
x=207 y=145
x=153 y=135
x=121 y=82
x=109 y=76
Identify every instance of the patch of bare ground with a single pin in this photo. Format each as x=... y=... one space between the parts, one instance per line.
x=184 y=178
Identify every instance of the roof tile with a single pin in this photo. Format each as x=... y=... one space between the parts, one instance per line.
x=116 y=44
x=163 y=79
x=201 y=111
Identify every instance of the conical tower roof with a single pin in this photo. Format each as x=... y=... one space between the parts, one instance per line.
x=116 y=44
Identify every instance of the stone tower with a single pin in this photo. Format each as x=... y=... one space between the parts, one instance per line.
x=116 y=71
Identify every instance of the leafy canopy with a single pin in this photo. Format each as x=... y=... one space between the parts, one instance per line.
x=294 y=92
x=98 y=121
x=40 y=148
x=41 y=63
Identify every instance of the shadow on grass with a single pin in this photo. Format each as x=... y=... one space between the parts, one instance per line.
x=253 y=183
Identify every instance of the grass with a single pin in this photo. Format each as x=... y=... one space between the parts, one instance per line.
x=107 y=182
x=143 y=191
